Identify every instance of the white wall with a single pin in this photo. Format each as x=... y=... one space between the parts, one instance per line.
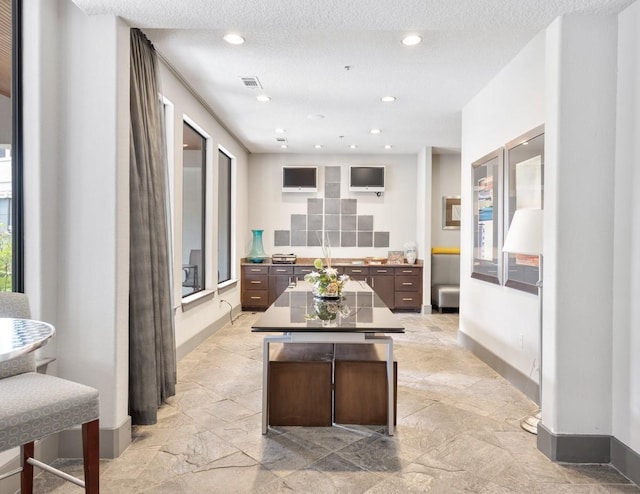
x=501 y=319
x=578 y=231
x=394 y=211
x=446 y=182
x=76 y=83
x=626 y=293
x=191 y=324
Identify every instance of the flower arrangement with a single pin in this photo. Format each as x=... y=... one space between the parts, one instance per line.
x=325 y=282
x=327 y=311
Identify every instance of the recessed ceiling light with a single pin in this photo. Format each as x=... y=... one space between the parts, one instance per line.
x=280 y=131
x=375 y=131
x=263 y=97
x=411 y=40
x=233 y=39
x=388 y=99
x=318 y=146
x=284 y=146
x=388 y=146
x=353 y=146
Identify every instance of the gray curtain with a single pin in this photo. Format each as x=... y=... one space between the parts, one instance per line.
x=152 y=362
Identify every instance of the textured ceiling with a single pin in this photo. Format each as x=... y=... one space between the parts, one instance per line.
x=299 y=51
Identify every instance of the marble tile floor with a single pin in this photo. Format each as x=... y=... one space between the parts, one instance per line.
x=458 y=431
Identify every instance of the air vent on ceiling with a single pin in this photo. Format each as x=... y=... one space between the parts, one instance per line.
x=251 y=82
x=281 y=139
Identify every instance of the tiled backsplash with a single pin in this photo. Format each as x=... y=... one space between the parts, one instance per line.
x=336 y=218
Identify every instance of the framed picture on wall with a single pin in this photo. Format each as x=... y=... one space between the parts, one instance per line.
x=487 y=177
x=525 y=186
x=451 y=213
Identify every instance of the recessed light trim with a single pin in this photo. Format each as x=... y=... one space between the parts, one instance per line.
x=411 y=40
x=388 y=99
x=318 y=146
x=233 y=39
x=388 y=146
x=280 y=131
x=284 y=146
x=375 y=131
x=353 y=146
x=263 y=98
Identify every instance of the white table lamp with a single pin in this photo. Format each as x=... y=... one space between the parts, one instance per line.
x=525 y=237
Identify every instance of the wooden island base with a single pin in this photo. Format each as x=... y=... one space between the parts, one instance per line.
x=321 y=384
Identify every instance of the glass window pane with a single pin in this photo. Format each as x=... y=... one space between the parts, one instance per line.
x=487 y=178
x=193 y=210
x=224 y=217
x=525 y=165
x=6 y=137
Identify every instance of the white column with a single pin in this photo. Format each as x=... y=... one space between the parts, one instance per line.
x=578 y=231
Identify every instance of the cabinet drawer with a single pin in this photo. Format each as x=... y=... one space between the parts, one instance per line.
x=407 y=283
x=249 y=270
x=255 y=282
x=281 y=270
x=380 y=271
x=407 y=300
x=255 y=298
x=407 y=271
x=356 y=272
x=302 y=270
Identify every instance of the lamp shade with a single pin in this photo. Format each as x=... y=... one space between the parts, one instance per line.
x=525 y=233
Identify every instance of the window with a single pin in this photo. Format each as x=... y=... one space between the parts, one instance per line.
x=225 y=257
x=525 y=183
x=194 y=161
x=487 y=210
x=11 y=267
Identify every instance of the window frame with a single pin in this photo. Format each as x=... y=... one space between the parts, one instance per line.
x=483 y=269
x=230 y=215
x=186 y=121
x=17 y=162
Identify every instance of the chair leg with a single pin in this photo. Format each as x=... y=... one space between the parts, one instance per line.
x=26 y=477
x=91 y=456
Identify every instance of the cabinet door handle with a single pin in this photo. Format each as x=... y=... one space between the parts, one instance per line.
x=407 y=299
x=256 y=270
x=256 y=298
x=406 y=283
x=407 y=270
x=382 y=270
x=281 y=270
x=256 y=282
x=356 y=270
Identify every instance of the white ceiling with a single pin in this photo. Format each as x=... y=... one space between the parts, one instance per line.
x=299 y=50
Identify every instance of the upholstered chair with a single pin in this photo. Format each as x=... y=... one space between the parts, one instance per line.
x=33 y=406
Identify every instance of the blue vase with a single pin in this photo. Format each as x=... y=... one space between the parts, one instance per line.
x=257 y=253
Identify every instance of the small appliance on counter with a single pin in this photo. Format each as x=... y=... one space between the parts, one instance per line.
x=283 y=258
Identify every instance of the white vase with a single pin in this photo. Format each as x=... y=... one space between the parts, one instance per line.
x=410 y=256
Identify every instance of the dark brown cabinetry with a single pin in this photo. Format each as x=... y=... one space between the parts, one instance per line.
x=255 y=287
x=279 y=279
x=407 y=287
x=398 y=286
x=381 y=280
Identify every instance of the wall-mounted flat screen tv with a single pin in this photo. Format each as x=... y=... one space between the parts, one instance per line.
x=299 y=179
x=366 y=178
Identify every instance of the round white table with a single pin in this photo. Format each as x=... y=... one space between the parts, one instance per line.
x=21 y=336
